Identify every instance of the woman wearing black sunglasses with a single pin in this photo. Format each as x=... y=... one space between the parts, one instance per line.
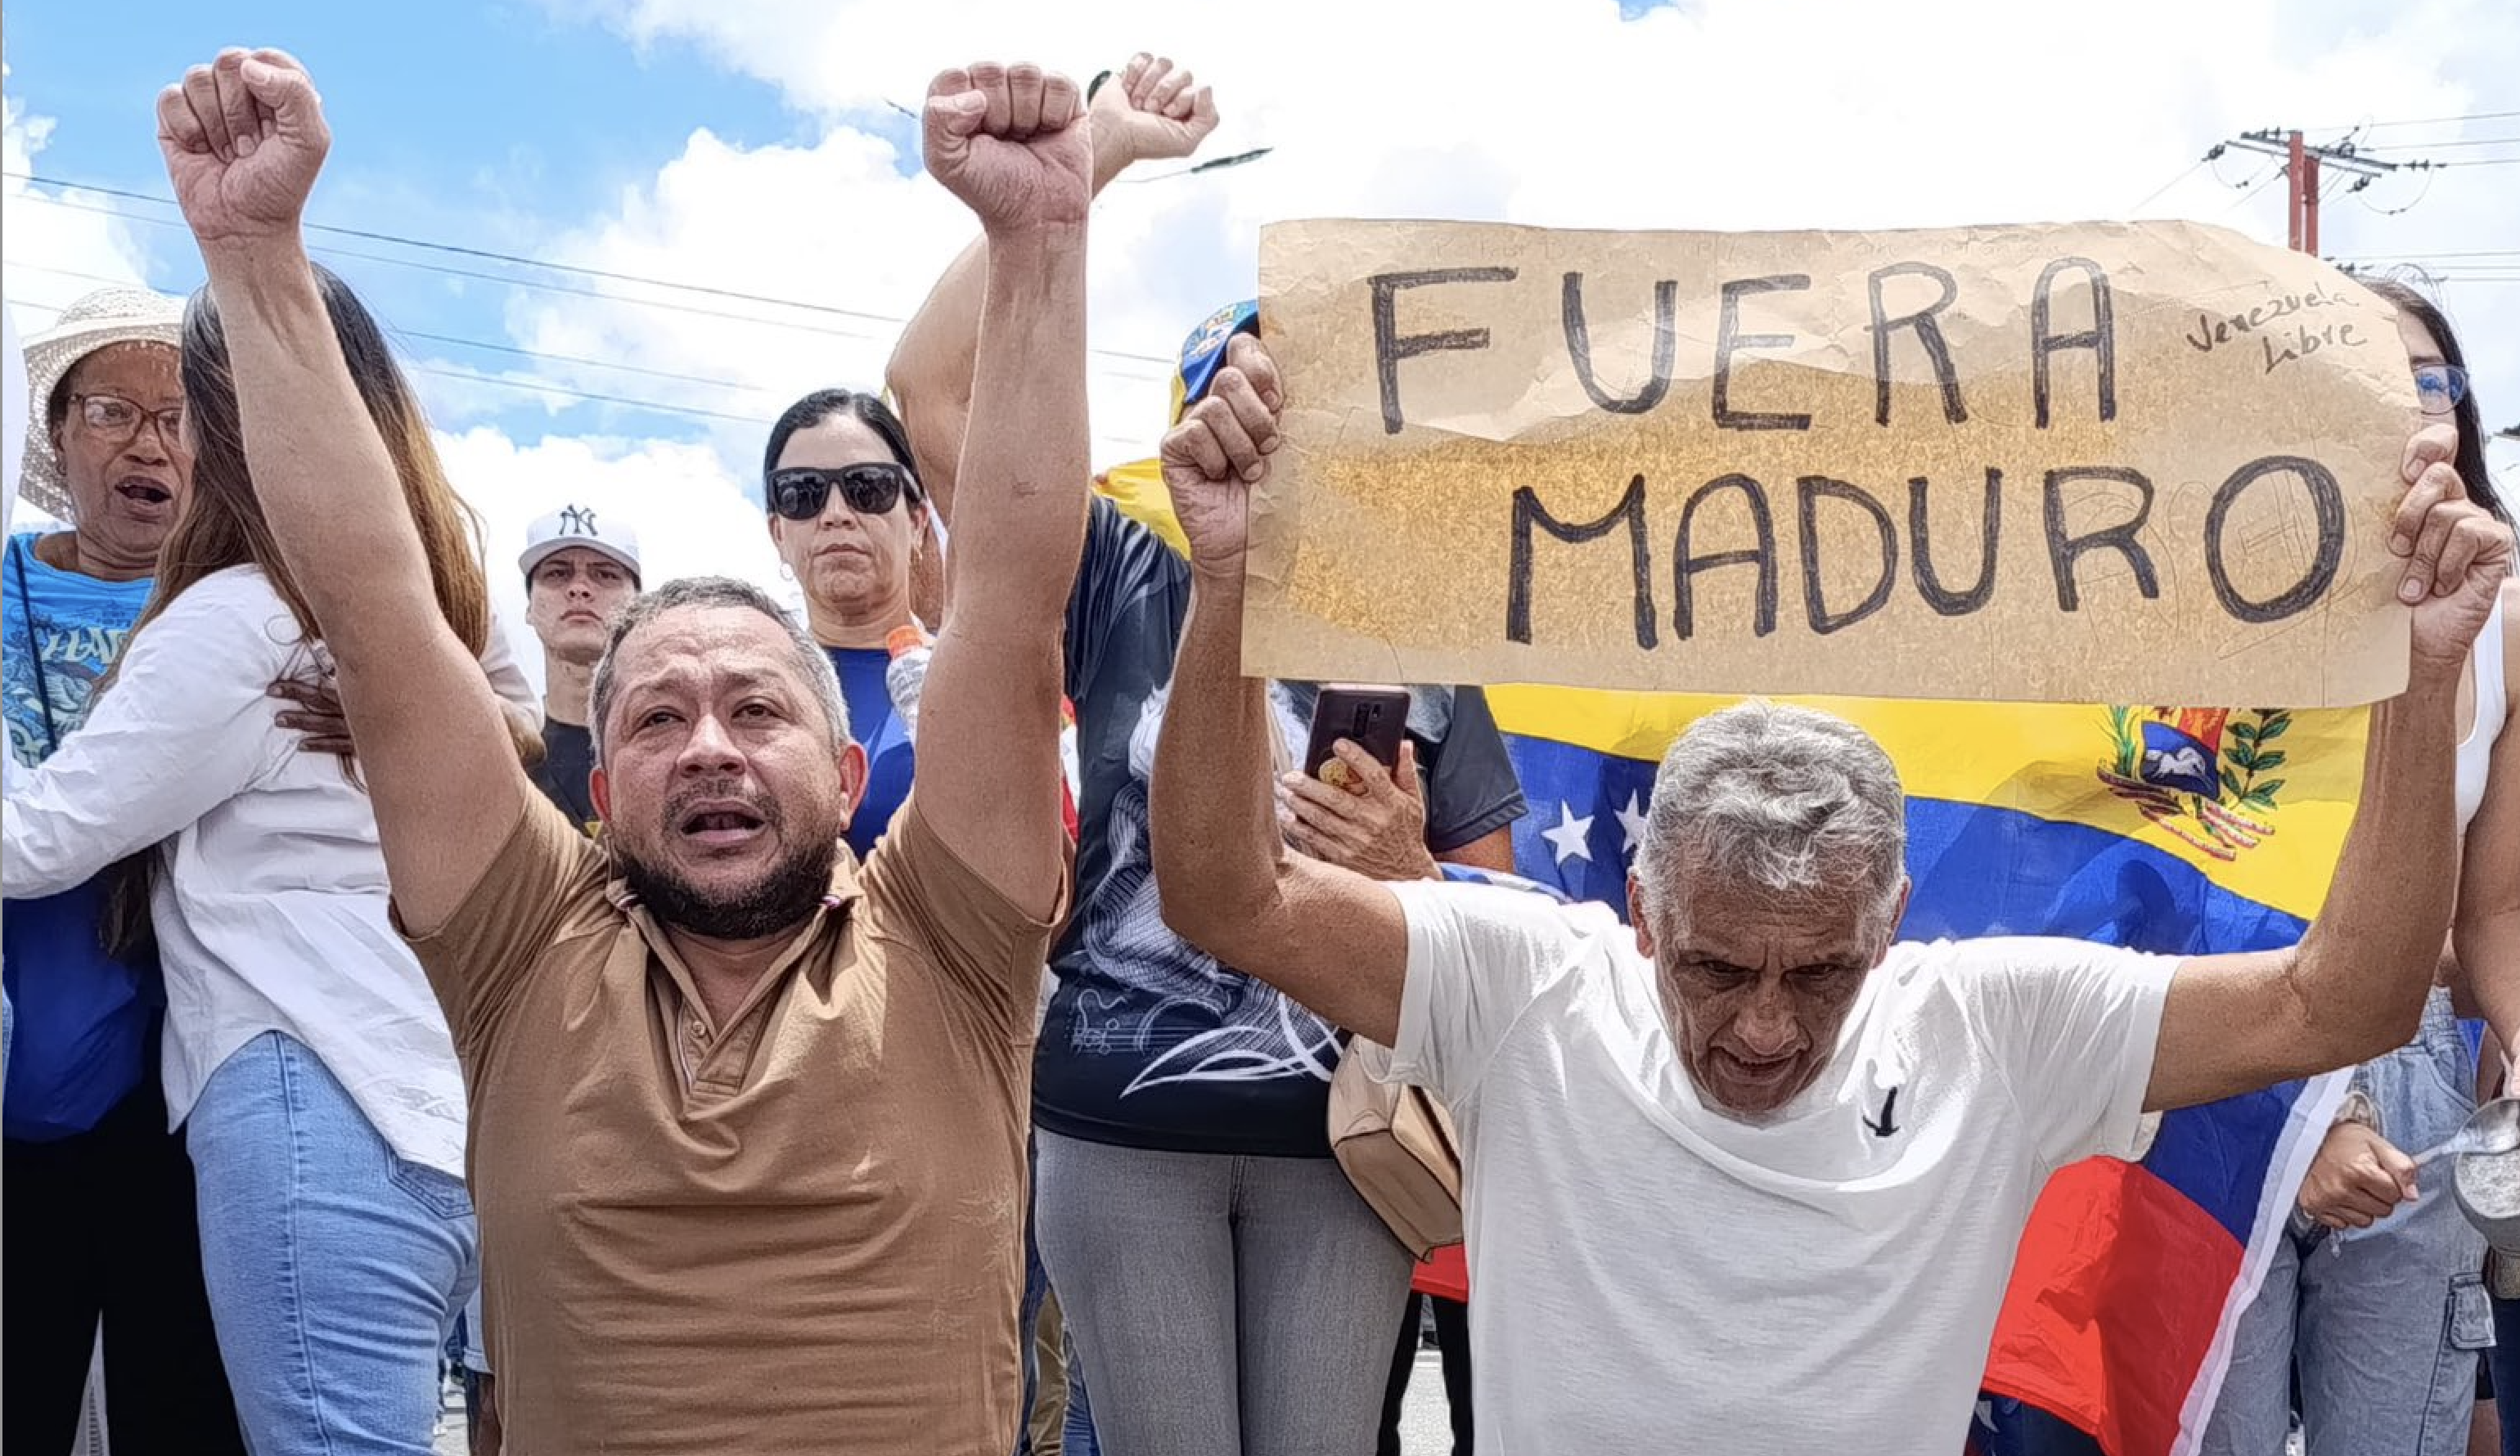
x=850 y=522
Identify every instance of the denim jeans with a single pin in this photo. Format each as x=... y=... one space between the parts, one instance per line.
x=1036 y=1288
x=2384 y=1324
x=336 y=1270
x=1076 y=1438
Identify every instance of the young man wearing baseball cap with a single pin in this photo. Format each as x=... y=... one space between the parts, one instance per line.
x=581 y=568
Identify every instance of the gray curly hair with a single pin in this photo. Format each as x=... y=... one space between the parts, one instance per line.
x=1790 y=799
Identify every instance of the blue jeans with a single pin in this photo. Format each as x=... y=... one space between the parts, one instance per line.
x=335 y=1268
x=1036 y=1288
x=2383 y=1325
x=1076 y=1438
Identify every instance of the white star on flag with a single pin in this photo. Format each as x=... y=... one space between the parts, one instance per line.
x=1632 y=824
x=1567 y=839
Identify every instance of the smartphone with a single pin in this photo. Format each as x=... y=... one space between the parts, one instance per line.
x=1372 y=718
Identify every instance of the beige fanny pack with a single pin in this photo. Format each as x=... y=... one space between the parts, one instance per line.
x=1395 y=1142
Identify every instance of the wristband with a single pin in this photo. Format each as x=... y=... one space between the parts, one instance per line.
x=2359 y=1108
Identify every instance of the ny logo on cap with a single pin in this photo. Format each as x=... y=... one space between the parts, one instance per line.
x=577 y=521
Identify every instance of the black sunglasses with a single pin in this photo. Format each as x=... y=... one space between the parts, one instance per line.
x=799 y=493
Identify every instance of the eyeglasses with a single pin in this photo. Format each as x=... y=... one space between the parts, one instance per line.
x=799 y=493
x=114 y=418
x=2439 y=387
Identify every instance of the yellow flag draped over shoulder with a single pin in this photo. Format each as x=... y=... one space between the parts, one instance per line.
x=2187 y=831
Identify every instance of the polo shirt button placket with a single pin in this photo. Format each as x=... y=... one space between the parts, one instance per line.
x=696 y=1046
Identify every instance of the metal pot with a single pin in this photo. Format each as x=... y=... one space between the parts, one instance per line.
x=2486 y=1180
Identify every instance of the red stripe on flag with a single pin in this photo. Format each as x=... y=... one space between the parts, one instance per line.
x=2116 y=1294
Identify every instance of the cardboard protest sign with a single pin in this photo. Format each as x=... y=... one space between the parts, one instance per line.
x=2102 y=463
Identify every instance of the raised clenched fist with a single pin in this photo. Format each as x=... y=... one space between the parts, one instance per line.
x=1220 y=450
x=1150 y=110
x=244 y=138
x=1008 y=141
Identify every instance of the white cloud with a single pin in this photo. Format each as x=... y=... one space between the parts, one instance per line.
x=691 y=513
x=1726 y=113
x=687 y=507
x=61 y=245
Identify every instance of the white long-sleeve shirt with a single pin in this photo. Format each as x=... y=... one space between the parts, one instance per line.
x=271 y=909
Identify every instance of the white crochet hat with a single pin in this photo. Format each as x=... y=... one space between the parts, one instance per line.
x=105 y=316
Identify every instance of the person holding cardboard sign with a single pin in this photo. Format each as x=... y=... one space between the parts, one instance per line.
x=2372 y=1313
x=1825 y=1144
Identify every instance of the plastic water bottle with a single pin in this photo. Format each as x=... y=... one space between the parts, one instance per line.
x=907 y=677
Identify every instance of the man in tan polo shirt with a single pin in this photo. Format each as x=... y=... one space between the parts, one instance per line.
x=748 y=1116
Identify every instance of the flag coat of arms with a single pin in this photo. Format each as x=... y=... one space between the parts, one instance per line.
x=2176 y=830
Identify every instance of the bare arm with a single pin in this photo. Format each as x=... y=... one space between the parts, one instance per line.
x=2487 y=928
x=1492 y=850
x=434 y=745
x=1009 y=142
x=2354 y=986
x=930 y=372
x=1332 y=940
x=1148 y=110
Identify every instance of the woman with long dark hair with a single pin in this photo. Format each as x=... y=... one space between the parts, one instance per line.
x=2375 y=1304
x=849 y=519
x=305 y=1056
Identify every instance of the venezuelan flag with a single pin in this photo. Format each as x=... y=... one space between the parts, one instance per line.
x=2177 y=830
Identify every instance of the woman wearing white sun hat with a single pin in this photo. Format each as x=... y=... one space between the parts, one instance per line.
x=100 y=1200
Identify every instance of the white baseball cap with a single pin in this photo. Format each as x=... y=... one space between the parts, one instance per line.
x=582 y=526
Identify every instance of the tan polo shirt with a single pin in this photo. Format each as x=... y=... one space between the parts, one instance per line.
x=800 y=1232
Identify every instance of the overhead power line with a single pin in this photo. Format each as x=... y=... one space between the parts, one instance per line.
x=2490 y=252
x=525 y=261
x=2186 y=172
x=2415 y=121
x=522 y=386
x=2440 y=145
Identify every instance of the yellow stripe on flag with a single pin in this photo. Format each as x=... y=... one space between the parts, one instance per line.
x=2065 y=763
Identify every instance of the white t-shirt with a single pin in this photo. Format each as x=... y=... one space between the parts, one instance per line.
x=271 y=909
x=1650 y=1275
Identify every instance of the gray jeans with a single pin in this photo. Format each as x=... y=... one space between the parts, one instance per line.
x=1222 y=1306
x=2384 y=1324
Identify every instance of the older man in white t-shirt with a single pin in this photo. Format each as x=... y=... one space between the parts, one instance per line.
x=1751 y=1171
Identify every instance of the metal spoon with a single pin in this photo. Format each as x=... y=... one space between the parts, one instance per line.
x=2492 y=1129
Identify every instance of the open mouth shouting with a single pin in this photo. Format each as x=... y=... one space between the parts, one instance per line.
x=719 y=825
x=146 y=497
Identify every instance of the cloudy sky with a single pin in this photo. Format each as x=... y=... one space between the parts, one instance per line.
x=723 y=207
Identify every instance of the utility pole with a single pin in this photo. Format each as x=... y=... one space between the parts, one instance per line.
x=2302 y=162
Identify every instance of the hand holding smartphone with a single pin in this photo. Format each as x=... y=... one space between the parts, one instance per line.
x=1374 y=719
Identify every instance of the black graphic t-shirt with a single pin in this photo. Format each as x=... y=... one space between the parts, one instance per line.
x=568 y=758
x=1149 y=1042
